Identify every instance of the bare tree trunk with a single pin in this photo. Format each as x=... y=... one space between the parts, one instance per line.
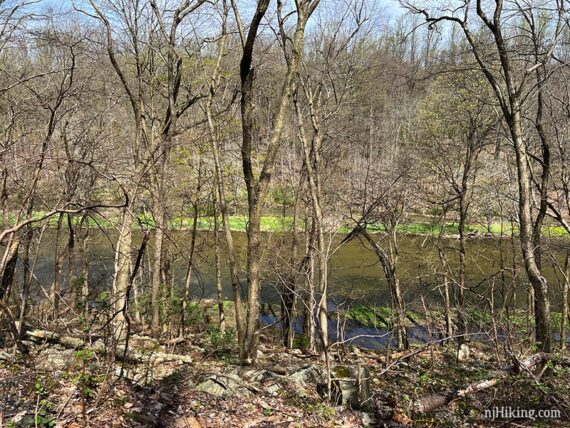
x=85 y=272
x=74 y=292
x=289 y=295
x=57 y=261
x=27 y=279
x=188 y=278
x=310 y=298
x=564 y=309
x=219 y=287
x=448 y=319
x=445 y=278
x=460 y=298
x=538 y=282
x=159 y=217
x=312 y=165
x=8 y=266
x=509 y=93
x=257 y=189
x=402 y=335
x=220 y=183
x=121 y=279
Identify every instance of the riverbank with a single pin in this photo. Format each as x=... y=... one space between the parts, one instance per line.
x=65 y=383
x=282 y=224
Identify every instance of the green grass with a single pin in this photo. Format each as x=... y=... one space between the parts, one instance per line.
x=273 y=223
x=237 y=223
x=453 y=229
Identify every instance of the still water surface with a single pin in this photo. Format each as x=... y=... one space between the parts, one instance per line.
x=355 y=275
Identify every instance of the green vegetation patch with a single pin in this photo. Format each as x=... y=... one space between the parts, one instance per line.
x=381 y=316
x=276 y=223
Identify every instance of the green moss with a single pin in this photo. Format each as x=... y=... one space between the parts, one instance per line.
x=341 y=372
x=381 y=316
x=371 y=316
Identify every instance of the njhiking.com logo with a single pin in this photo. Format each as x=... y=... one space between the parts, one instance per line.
x=507 y=412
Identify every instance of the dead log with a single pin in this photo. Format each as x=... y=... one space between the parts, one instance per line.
x=433 y=402
x=99 y=347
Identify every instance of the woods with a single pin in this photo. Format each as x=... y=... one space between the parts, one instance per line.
x=242 y=184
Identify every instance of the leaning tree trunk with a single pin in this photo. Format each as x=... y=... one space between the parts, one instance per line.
x=8 y=265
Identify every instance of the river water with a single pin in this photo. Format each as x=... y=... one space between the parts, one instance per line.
x=492 y=264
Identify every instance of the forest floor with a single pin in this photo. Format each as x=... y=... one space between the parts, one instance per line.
x=54 y=386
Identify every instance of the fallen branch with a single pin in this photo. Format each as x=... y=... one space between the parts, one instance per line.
x=99 y=346
x=433 y=402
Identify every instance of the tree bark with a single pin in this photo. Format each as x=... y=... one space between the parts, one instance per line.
x=312 y=165
x=218 y=266
x=257 y=189
x=157 y=263
x=564 y=309
x=220 y=183
x=121 y=279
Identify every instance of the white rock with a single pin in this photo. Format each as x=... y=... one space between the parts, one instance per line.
x=463 y=353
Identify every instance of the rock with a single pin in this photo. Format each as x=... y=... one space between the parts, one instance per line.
x=212 y=387
x=143 y=342
x=274 y=389
x=264 y=379
x=351 y=386
x=309 y=375
x=219 y=385
x=16 y=419
x=56 y=360
x=257 y=375
x=463 y=353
